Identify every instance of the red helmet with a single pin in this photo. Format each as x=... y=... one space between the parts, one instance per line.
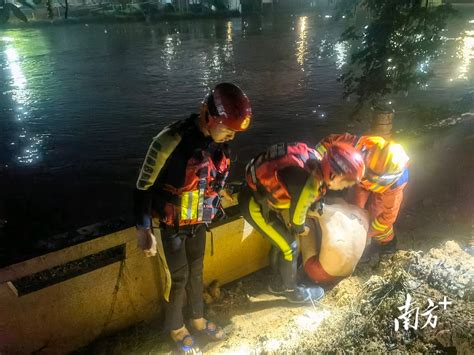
x=342 y=159
x=228 y=104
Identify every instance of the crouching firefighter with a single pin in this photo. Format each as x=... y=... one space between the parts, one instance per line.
x=382 y=188
x=282 y=184
x=177 y=195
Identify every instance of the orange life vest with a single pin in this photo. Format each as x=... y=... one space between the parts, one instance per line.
x=198 y=199
x=261 y=172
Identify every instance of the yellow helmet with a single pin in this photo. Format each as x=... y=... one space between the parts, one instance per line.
x=385 y=161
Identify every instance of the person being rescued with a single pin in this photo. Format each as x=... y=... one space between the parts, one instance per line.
x=281 y=186
x=178 y=193
x=381 y=190
x=335 y=243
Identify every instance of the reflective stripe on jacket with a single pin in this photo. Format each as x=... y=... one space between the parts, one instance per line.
x=181 y=176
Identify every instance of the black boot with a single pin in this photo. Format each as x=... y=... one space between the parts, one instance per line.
x=274 y=258
x=371 y=252
x=389 y=248
x=304 y=294
x=299 y=294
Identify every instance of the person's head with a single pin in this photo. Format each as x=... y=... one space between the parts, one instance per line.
x=342 y=166
x=385 y=162
x=225 y=111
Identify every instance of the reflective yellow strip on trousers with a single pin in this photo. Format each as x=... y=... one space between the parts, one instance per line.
x=378 y=188
x=272 y=233
x=384 y=235
x=378 y=226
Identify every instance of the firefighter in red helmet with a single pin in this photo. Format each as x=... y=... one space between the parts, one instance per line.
x=282 y=184
x=178 y=192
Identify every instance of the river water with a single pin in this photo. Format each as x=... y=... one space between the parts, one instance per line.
x=79 y=104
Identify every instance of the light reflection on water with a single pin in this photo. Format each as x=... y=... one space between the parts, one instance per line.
x=80 y=104
x=29 y=145
x=172 y=43
x=228 y=49
x=341 y=48
x=466 y=54
x=220 y=59
x=301 y=49
x=123 y=83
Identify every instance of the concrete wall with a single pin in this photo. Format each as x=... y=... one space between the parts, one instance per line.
x=72 y=313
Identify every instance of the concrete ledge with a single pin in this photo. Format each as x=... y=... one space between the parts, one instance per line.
x=72 y=312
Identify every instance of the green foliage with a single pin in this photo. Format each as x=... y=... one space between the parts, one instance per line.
x=393 y=51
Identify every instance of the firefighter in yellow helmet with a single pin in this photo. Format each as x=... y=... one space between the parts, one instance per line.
x=381 y=189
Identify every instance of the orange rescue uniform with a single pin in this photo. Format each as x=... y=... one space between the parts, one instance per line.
x=382 y=203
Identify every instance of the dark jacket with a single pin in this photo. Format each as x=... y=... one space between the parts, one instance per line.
x=164 y=167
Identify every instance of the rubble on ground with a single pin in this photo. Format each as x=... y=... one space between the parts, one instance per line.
x=359 y=313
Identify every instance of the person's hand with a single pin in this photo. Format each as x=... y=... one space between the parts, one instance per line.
x=146 y=241
x=305 y=232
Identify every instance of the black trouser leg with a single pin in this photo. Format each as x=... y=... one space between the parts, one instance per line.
x=195 y=247
x=184 y=253
x=175 y=252
x=272 y=228
x=288 y=269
